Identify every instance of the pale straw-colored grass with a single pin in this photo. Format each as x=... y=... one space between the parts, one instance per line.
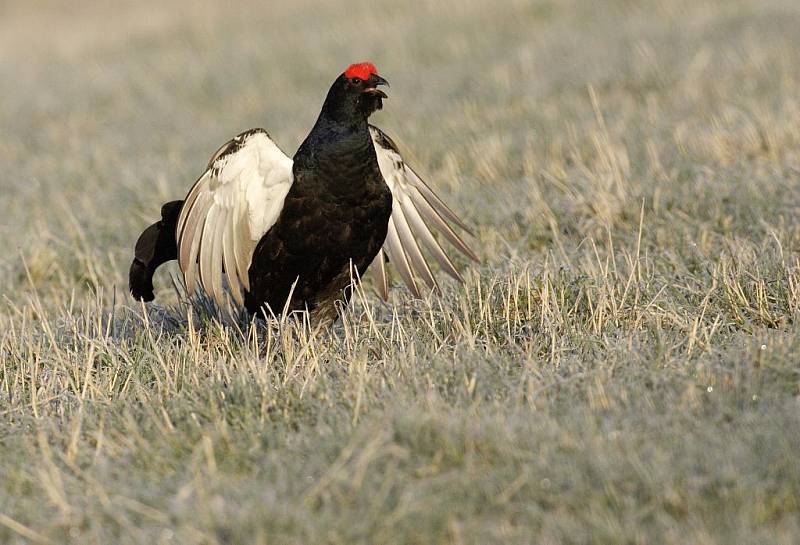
x=622 y=367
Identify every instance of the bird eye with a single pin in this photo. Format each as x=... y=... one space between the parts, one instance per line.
x=356 y=81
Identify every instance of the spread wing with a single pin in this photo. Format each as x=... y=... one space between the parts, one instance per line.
x=228 y=210
x=417 y=212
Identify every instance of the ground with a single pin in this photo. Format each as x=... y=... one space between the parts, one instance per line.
x=623 y=366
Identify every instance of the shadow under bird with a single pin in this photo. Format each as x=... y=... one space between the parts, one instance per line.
x=282 y=233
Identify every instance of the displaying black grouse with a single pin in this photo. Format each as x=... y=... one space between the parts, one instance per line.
x=283 y=233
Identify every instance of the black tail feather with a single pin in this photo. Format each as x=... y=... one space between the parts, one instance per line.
x=156 y=245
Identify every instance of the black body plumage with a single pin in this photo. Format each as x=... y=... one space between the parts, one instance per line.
x=336 y=213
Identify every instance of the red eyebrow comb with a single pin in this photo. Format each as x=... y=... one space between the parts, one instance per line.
x=362 y=70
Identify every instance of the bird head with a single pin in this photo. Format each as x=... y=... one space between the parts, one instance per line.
x=355 y=92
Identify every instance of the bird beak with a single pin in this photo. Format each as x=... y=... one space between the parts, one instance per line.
x=374 y=81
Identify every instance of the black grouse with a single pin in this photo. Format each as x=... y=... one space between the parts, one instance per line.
x=283 y=233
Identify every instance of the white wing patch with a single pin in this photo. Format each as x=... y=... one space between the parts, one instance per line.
x=228 y=210
x=416 y=213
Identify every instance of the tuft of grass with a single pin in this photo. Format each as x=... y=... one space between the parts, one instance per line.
x=621 y=368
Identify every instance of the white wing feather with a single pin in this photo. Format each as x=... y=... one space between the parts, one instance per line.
x=227 y=212
x=416 y=213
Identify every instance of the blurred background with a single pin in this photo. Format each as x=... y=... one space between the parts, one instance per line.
x=622 y=367
x=111 y=108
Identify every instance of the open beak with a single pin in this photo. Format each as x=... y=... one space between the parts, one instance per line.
x=373 y=81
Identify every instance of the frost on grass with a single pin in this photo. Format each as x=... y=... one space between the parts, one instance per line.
x=621 y=368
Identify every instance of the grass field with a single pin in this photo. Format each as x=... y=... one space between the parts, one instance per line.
x=622 y=367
